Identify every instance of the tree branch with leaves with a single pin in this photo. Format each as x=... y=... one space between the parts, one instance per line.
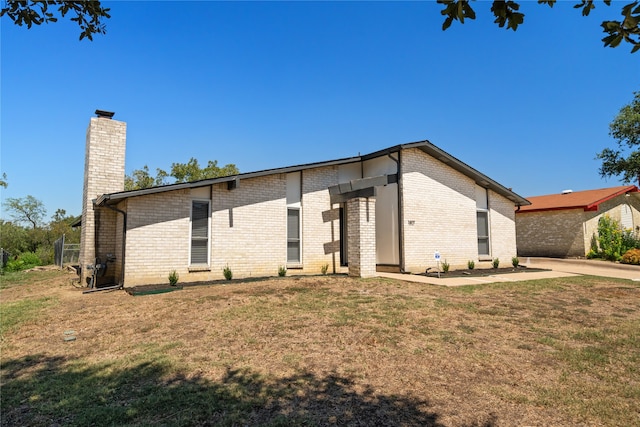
x=27 y=210
x=507 y=13
x=624 y=160
x=89 y=15
x=180 y=172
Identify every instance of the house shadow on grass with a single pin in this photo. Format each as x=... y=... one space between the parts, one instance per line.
x=40 y=390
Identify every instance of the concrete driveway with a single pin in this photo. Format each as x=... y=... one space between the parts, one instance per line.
x=556 y=268
x=594 y=267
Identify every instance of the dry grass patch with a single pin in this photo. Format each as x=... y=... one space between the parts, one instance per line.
x=326 y=351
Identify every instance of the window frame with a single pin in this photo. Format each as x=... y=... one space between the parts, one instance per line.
x=486 y=238
x=298 y=240
x=200 y=265
x=486 y=212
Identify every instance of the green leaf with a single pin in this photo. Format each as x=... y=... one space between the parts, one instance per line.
x=550 y=3
x=447 y=23
x=471 y=14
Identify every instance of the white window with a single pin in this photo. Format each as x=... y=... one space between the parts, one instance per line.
x=293 y=235
x=294 y=224
x=482 y=221
x=199 y=232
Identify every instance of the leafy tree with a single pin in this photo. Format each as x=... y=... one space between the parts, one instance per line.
x=14 y=237
x=27 y=210
x=180 y=172
x=191 y=171
x=625 y=129
x=38 y=241
x=61 y=224
x=507 y=13
x=3 y=180
x=89 y=15
x=140 y=178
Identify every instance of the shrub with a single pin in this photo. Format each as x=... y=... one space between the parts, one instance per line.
x=173 y=278
x=629 y=240
x=609 y=238
x=45 y=254
x=592 y=254
x=324 y=269
x=515 y=262
x=445 y=266
x=613 y=240
x=24 y=261
x=282 y=271
x=594 y=247
x=495 y=263
x=471 y=265
x=632 y=256
x=228 y=274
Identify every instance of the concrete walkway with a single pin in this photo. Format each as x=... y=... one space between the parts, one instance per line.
x=556 y=267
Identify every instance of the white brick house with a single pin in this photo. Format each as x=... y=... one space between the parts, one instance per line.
x=391 y=209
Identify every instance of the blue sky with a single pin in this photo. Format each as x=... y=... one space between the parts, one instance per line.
x=269 y=84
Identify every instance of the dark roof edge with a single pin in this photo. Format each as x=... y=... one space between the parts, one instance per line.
x=424 y=145
x=116 y=197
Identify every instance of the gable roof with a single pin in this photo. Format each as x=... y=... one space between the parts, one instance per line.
x=425 y=146
x=588 y=200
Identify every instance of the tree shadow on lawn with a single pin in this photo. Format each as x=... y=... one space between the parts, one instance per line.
x=41 y=390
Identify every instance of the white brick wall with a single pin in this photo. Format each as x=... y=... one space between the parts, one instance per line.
x=320 y=221
x=503 y=230
x=249 y=225
x=440 y=214
x=158 y=231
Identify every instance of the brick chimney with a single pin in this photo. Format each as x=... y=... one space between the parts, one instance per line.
x=103 y=174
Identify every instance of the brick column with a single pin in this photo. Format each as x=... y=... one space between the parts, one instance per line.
x=103 y=174
x=361 y=214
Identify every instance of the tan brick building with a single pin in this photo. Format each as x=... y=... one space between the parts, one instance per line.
x=562 y=225
x=391 y=209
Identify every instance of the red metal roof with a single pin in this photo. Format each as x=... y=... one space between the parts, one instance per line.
x=588 y=200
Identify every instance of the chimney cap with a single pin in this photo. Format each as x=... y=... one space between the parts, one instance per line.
x=567 y=191
x=104 y=114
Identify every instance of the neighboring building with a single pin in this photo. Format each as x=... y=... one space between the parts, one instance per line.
x=562 y=225
x=392 y=209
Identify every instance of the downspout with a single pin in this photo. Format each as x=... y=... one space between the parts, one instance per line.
x=124 y=239
x=400 y=212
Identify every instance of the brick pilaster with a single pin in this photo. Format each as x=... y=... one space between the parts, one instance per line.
x=361 y=213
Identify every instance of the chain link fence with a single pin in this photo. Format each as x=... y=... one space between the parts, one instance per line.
x=65 y=253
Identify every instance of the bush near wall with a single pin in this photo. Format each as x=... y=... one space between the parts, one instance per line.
x=613 y=240
x=632 y=256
